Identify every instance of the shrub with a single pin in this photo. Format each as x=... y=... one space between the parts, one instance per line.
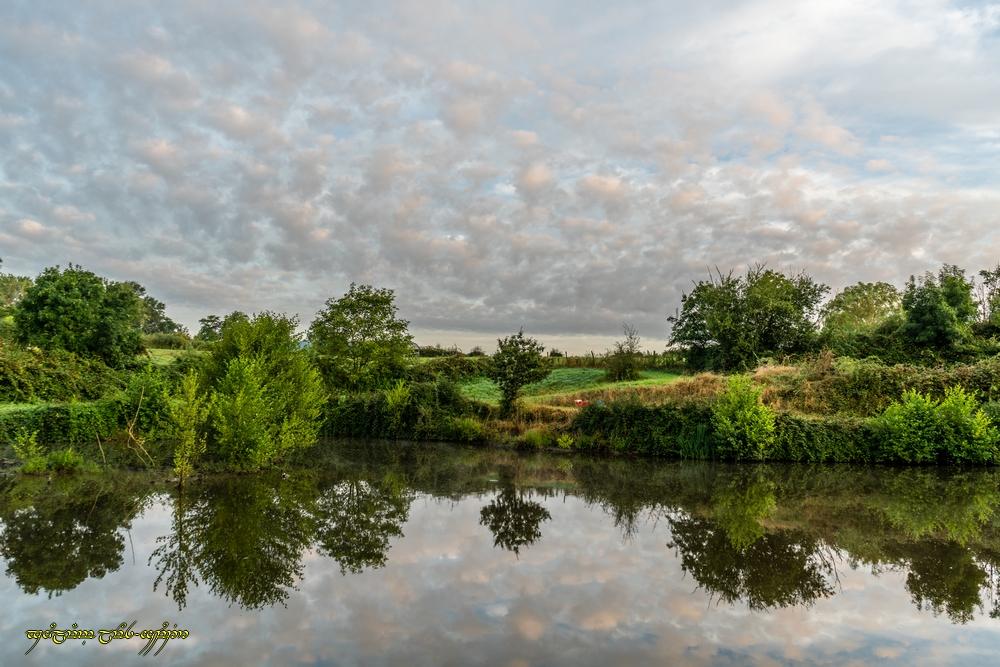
x=919 y=429
x=537 y=438
x=266 y=397
x=968 y=434
x=622 y=362
x=744 y=427
x=465 y=429
x=396 y=398
x=166 y=341
x=29 y=375
x=188 y=414
x=26 y=447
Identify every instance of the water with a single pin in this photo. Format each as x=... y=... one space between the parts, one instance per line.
x=427 y=554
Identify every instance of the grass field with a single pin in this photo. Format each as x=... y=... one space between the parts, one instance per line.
x=563 y=381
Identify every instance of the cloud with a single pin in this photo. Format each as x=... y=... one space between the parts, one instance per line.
x=525 y=165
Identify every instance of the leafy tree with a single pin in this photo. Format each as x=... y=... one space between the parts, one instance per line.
x=622 y=363
x=211 y=328
x=78 y=311
x=989 y=295
x=938 y=309
x=861 y=307
x=153 y=317
x=517 y=362
x=358 y=340
x=730 y=322
x=266 y=396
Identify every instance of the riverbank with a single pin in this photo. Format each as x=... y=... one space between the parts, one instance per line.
x=823 y=409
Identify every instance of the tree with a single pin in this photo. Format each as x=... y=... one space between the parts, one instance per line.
x=938 y=309
x=358 y=340
x=858 y=311
x=153 y=317
x=730 y=322
x=988 y=293
x=211 y=328
x=622 y=363
x=518 y=361
x=78 y=311
x=265 y=395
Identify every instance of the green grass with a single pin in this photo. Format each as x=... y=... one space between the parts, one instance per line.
x=165 y=357
x=562 y=381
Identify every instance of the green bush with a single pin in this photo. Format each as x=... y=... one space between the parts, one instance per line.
x=537 y=438
x=266 y=396
x=166 y=341
x=427 y=413
x=188 y=416
x=744 y=427
x=920 y=429
x=465 y=429
x=73 y=424
x=58 y=461
x=30 y=375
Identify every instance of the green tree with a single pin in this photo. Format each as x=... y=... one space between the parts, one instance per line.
x=78 y=311
x=730 y=322
x=266 y=397
x=938 y=309
x=517 y=362
x=744 y=427
x=358 y=340
x=988 y=292
x=153 y=316
x=211 y=328
x=859 y=308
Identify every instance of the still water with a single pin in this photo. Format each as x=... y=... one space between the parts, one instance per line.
x=425 y=555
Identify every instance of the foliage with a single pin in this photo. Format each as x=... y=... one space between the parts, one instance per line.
x=358 y=341
x=76 y=424
x=856 y=313
x=211 y=329
x=78 y=311
x=988 y=295
x=266 y=397
x=152 y=314
x=431 y=411
x=743 y=426
x=29 y=375
x=731 y=322
x=26 y=447
x=938 y=309
x=920 y=429
x=12 y=290
x=188 y=415
x=517 y=362
x=166 y=341
x=621 y=363
x=451 y=368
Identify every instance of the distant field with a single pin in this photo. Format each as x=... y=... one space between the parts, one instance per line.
x=167 y=357
x=562 y=381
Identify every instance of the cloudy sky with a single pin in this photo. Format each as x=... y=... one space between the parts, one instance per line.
x=565 y=166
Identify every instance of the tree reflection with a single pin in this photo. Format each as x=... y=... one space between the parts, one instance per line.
x=245 y=536
x=57 y=535
x=514 y=520
x=778 y=569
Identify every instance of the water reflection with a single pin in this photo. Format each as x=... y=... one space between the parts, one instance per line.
x=766 y=537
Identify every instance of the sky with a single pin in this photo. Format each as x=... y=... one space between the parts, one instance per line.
x=559 y=166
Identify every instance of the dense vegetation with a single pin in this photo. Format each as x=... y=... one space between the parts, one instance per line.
x=93 y=371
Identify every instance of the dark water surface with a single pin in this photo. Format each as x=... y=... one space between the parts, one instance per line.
x=426 y=555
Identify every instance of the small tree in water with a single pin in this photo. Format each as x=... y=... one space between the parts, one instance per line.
x=517 y=362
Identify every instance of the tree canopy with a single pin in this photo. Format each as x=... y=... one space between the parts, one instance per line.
x=358 y=340
x=77 y=310
x=730 y=322
x=518 y=361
